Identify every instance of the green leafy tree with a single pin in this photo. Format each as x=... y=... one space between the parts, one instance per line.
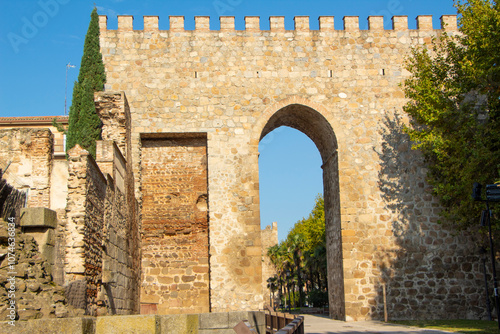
x=84 y=125
x=454 y=108
x=300 y=260
x=312 y=228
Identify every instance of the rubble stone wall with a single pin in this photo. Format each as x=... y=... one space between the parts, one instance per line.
x=98 y=250
x=114 y=157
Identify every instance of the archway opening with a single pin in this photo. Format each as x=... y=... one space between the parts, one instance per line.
x=290 y=178
x=315 y=126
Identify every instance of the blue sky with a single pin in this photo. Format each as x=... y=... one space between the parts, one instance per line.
x=39 y=37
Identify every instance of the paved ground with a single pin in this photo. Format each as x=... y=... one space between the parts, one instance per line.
x=315 y=324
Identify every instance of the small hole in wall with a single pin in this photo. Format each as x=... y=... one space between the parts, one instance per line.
x=330 y=73
x=196 y=74
x=382 y=71
x=258 y=74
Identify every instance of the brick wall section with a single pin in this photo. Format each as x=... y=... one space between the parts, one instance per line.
x=30 y=151
x=175 y=225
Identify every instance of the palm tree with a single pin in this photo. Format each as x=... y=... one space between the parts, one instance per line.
x=279 y=258
x=296 y=248
x=321 y=267
x=272 y=285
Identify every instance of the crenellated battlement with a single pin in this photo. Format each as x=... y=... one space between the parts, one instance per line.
x=277 y=23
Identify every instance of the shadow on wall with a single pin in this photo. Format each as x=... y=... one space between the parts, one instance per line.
x=434 y=271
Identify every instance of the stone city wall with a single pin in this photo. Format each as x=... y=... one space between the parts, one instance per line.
x=342 y=89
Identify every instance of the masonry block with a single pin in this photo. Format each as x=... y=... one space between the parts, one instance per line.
x=38 y=217
x=125 y=23
x=449 y=22
x=301 y=23
x=424 y=22
x=137 y=324
x=326 y=23
x=150 y=23
x=79 y=325
x=351 y=23
x=226 y=23
x=400 y=22
x=252 y=23
x=214 y=320
x=376 y=23
x=179 y=323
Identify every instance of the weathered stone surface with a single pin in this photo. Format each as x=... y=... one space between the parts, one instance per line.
x=137 y=324
x=85 y=325
x=99 y=227
x=175 y=224
x=179 y=323
x=214 y=320
x=269 y=238
x=38 y=217
x=30 y=152
x=30 y=281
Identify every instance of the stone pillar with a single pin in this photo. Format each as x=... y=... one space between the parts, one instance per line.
x=111 y=108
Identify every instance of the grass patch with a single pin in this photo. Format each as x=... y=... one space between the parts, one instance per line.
x=458 y=326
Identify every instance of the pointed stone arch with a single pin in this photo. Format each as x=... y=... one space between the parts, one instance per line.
x=312 y=119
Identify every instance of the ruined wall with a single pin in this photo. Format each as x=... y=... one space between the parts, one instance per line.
x=98 y=251
x=34 y=169
x=339 y=87
x=30 y=151
x=114 y=157
x=175 y=225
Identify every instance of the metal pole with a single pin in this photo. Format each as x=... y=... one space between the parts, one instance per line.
x=488 y=304
x=66 y=90
x=384 y=292
x=492 y=251
x=68 y=65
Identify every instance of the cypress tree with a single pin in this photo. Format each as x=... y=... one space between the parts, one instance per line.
x=84 y=124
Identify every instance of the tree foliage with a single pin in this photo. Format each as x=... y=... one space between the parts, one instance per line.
x=84 y=124
x=454 y=108
x=300 y=260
